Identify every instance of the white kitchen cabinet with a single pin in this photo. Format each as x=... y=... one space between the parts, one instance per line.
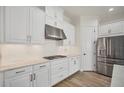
x=1 y=79
x=55 y=12
x=59 y=70
x=37 y=25
x=50 y=11
x=113 y=29
x=59 y=13
x=16 y=24
x=69 y=31
x=41 y=75
x=103 y=30
x=21 y=77
x=116 y=28
x=19 y=81
x=54 y=16
x=74 y=65
x=53 y=22
x=23 y=25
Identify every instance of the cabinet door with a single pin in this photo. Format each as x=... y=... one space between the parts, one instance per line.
x=51 y=21
x=19 y=81
x=72 y=35
x=41 y=78
x=51 y=11
x=41 y=75
x=116 y=28
x=73 y=65
x=59 y=14
x=103 y=30
x=37 y=25
x=16 y=24
x=69 y=31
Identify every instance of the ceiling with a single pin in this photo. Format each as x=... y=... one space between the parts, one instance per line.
x=74 y=12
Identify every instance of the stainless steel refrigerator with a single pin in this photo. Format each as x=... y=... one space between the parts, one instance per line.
x=110 y=51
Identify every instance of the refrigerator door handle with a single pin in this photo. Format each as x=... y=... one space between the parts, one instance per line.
x=107 y=53
x=110 y=50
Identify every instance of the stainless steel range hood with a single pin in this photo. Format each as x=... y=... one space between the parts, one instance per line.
x=54 y=33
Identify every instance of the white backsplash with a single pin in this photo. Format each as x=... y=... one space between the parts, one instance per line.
x=13 y=53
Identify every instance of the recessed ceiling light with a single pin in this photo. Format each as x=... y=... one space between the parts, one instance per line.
x=111 y=9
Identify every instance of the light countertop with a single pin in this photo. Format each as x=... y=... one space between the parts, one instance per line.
x=23 y=63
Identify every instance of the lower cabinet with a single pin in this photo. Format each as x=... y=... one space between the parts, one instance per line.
x=59 y=70
x=41 y=75
x=36 y=76
x=21 y=77
x=19 y=81
x=74 y=65
x=1 y=79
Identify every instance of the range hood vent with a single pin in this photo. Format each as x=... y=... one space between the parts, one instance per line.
x=54 y=33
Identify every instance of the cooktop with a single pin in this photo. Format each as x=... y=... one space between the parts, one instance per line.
x=54 y=57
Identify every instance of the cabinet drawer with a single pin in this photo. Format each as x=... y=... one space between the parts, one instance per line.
x=59 y=68
x=41 y=66
x=17 y=72
x=58 y=62
x=57 y=78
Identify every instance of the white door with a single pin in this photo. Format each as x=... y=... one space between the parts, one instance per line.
x=41 y=78
x=19 y=81
x=16 y=24
x=87 y=41
x=37 y=25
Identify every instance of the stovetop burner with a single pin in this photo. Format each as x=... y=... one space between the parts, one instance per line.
x=54 y=57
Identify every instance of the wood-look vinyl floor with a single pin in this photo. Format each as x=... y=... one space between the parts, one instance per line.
x=85 y=79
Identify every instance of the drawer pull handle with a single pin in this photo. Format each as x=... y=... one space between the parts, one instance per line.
x=43 y=66
x=31 y=77
x=34 y=76
x=20 y=71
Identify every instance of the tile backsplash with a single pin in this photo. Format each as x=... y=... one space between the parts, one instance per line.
x=12 y=53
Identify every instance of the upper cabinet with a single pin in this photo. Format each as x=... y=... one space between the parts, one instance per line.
x=112 y=29
x=69 y=31
x=16 y=24
x=37 y=25
x=24 y=25
x=55 y=12
x=54 y=16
